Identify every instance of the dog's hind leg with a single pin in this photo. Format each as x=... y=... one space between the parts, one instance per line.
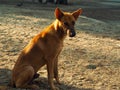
x=24 y=78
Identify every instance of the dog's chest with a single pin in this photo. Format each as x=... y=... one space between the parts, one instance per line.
x=54 y=50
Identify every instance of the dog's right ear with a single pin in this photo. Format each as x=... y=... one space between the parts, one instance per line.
x=58 y=14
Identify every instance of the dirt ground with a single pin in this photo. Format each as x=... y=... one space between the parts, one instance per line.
x=89 y=61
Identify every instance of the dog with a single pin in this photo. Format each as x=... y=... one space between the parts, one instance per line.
x=44 y=49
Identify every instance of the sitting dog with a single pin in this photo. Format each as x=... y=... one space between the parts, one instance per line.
x=44 y=49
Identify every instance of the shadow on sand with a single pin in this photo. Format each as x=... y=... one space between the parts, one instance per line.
x=5 y=76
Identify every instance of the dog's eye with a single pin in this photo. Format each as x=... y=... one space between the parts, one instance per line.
x=73 y=23
x=66 y=24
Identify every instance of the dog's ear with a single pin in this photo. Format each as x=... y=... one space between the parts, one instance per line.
x=58 y=14
x=77 y=13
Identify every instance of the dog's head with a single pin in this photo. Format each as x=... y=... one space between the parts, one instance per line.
x=67 y=20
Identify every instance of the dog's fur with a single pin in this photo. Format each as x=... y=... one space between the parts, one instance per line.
x=43 y=49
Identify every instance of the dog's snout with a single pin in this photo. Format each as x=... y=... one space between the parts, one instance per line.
x=72 y=33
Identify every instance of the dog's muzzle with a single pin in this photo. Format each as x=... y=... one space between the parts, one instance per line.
x=72 y=32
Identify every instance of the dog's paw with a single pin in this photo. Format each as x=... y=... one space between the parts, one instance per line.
x=58 y=82
x=55 y=88
x=35 y=87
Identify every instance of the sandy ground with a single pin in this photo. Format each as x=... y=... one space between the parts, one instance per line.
x=89 y=61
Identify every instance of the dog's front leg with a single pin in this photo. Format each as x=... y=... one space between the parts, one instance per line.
x=56 y=76
x=50 y=70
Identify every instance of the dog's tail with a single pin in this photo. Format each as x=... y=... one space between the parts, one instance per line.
x=7 y=87
x=11 y=84
x=3 y=87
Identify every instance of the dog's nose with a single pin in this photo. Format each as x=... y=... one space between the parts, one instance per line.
x=72 y=33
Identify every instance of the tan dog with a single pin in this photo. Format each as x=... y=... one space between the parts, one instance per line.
x=44 y=49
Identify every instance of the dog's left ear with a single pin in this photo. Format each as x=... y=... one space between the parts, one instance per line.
x=58 y=14
x=77 y=13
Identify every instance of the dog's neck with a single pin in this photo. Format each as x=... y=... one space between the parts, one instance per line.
x=59 y=29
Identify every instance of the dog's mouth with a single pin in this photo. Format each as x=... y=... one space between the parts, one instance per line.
x=71 y=33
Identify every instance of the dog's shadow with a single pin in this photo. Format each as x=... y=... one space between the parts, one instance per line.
x=43 y=84
x=5 y=77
